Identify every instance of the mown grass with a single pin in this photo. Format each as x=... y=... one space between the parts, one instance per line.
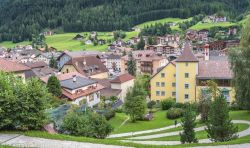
x=200 y=25
x=162 y=21
x=65 y=41
x=10 y=44
x=158 y=121
x=199 y=134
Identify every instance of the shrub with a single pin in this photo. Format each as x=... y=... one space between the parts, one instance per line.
x=109 y=114
x=174 y=113
x=119 y=110
x=89 y=125
x=179 y=105
x=234 y=106
x=167 y=104
x=151 y=104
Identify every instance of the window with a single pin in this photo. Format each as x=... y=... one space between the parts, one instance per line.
x=158 y=84
x=186 y=96
x=158 y=93
x=162 y=84
x=174 y=75
x=162 y=93
x=186 y=64
x=186 y=86
x=174 y=84
x=163 y=75
x=173 y=94
x=186 y=75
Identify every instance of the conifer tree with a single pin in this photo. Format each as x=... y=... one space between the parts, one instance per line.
x=219 y=126
x=188 y=124
x=131 y=64
x=54 y=86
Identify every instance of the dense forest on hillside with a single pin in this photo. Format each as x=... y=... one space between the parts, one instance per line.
x=19 y=19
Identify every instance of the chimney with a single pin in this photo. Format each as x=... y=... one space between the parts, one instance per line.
x=206 y=47
x=74 y=78
x=84 y=62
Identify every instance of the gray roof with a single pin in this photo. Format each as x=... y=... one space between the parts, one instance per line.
x=80 y=82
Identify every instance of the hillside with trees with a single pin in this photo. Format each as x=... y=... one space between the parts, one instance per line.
x=19 y=19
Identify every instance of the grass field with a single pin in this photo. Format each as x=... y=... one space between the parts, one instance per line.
x=165 y=20
x=200 y=25
x=159 y=121
x=9 y=44
x=65 y=41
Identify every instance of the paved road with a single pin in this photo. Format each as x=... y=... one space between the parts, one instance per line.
x=24 y=141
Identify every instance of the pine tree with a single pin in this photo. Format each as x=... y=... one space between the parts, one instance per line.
x=131 y=64
x=219 y=126
x=188 y=124
x=54 y=86
x=52 y=63
x=141 y=44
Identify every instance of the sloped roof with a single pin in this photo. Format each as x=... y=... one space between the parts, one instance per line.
x=10 y=66
x=215 y=69
x=38 y=64
x=187 y=54
x=79 y=83
x=122 y=78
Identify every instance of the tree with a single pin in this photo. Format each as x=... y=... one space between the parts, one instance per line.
x=131 y=64
x=22 y=105
x=188 y=124
x=52 y=62
x=219 y=126
x=135 y=103
x=54 y=86
x=240 y=61
x=141 y=44
x=88 y=125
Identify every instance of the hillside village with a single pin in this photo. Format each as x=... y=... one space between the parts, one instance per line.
x=162 y=72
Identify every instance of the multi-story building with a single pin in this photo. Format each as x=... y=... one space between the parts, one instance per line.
x=184 y=79
x=147 y=61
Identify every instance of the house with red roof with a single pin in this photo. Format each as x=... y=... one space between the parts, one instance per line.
x=12 y=67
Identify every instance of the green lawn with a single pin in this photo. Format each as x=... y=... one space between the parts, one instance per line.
x=200 y=25
x=9 y=44
x=159 y=121
x=165 y=20
x=65 y=41
x=240 y=115
x=199 y=134
x=130 y=35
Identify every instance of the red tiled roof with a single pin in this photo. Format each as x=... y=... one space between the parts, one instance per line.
x=217 y=69
x=10 y=66
x=187 y=55
x=38 y=64
x=122 y=78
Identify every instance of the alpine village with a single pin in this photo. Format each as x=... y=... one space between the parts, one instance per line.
x=124 y=73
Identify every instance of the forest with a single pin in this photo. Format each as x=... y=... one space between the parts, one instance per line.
x=20 y=19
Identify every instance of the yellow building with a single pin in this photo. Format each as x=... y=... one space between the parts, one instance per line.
x=163 y=83
x=188 y=75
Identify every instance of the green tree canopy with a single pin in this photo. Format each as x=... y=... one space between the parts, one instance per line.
x=54 y=86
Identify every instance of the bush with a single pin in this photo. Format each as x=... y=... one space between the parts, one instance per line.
x=151 y=104
x=167 y=104
x=90 y=125
x=109 y=114
x=234 y=106
x=179 y=105
x=174 y=113
x=119 y=110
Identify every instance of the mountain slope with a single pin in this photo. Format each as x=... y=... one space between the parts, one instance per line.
x=19 y=19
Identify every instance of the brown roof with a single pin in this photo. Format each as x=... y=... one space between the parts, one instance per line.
x=217 y=69
x=109 y=92
x=122 y=78
x=104 y=82
x=10 y=66
x=38 y=64
x=187 y=55
x=83 y=64
x=61 y=77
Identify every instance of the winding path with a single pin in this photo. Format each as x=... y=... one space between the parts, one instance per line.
x=141 y=138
